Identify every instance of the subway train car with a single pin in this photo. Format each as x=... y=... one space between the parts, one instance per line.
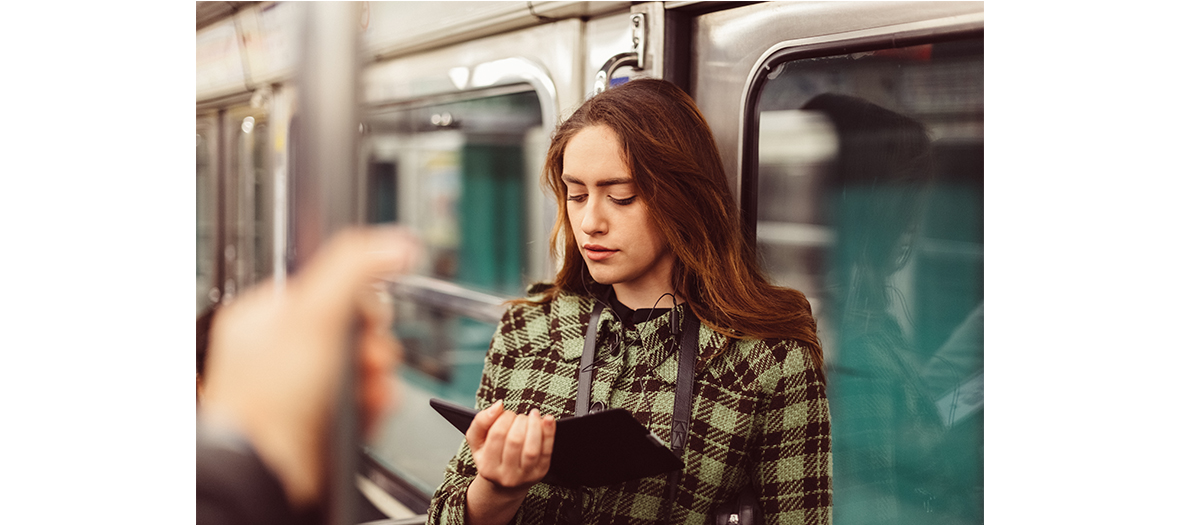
x=851 y=134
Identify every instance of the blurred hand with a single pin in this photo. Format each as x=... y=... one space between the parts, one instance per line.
x=276 y=356
x=379 y=352
x=511 y=450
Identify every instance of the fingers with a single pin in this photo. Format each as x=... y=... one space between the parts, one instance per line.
x=497 y=437
x=352 y=259
x=376 y=306
x=377 y=355
x=477 y=432
x=515 y=449
x=340 y=284
x=548 y=434
x=276 y=352
x=538 y=448
x=514 y=442
x=531 y=453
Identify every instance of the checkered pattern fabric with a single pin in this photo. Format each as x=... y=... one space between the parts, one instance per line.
x=759 y=417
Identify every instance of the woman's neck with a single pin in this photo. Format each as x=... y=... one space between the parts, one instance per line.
x=639 y=299
x=653 y=289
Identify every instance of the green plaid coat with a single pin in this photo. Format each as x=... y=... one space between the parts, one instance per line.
x=760 y=417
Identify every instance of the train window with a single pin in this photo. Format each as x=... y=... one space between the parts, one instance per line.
x=250 y=244
x=457 y=171
x=870 y=201
x=208 y=291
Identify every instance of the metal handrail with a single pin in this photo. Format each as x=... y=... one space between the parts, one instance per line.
x=602 y=79
x=450 y=297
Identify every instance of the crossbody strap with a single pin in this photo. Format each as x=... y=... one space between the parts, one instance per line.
x=682 y=407
x=585 y=368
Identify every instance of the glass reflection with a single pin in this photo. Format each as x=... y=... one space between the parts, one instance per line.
x=457 y=172
x=253 y=194
x=206 y=222
x=870 y=201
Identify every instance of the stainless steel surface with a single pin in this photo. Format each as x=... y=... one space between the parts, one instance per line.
x=602 y=78
x=652 y=63
x=281 y=102
x=325 y=185
x=326 y=198
x=219 y=61
x=732 y=44
x=545 y=58
x=601 y=39
x=449 y=297
x=542 y=57
x=396 y=29
x=639 y=38
x=636 y=57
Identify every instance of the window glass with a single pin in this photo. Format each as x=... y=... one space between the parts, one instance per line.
x=457 y=172
x=207 y=293
x=870 y=201
x=254 y=226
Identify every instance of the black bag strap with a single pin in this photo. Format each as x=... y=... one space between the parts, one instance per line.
x=682 y=406
x=745 y=508
x=585 y=368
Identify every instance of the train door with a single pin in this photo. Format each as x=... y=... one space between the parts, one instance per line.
x=853 y=137
x=249 y=197
x=235 y=203
x=242 y=60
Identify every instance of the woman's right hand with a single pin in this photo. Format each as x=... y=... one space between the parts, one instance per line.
x=511 y=451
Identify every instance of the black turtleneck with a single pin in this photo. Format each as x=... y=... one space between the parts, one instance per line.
x=634 y=317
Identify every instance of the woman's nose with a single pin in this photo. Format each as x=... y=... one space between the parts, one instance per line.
x=593 y=218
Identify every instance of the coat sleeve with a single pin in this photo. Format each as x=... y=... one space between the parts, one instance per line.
x=792 y=460
x=449 y=504
x=234 y=486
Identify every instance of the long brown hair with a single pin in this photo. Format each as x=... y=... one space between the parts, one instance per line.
x=670 y=151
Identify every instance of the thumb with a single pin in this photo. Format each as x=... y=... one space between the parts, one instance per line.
x=350 y=260
x=477 y=433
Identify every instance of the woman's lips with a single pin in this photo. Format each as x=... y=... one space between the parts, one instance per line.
x=597 y=253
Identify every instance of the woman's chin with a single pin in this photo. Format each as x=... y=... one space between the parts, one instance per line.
x=605 y=278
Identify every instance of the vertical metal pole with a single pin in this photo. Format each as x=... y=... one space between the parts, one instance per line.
x=325 y=200
x=281 y=117
x=326 y=193
x=219 y=270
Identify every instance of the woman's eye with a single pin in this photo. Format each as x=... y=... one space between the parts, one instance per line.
x=576 y=198
x=624 y=202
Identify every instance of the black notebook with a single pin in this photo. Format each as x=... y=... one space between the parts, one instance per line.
x=593 y=450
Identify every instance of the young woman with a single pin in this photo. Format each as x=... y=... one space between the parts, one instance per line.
x=649 y=230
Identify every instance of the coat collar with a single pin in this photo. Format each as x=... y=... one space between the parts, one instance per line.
x=572 y=312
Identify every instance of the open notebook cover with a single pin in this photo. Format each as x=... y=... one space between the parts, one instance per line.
x=594 y=450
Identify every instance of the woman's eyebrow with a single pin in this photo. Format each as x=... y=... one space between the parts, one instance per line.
x=604 y=182
x=612 y=182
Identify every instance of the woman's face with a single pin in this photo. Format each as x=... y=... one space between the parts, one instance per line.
x=614 y=231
